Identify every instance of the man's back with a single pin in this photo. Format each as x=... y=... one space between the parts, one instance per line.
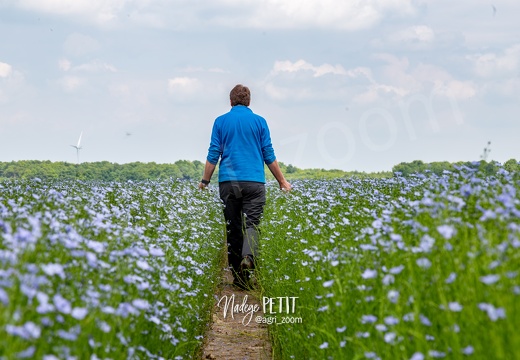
x=243 y=141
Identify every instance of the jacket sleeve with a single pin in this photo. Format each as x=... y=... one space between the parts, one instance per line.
x=215 y=146
x=267 y=147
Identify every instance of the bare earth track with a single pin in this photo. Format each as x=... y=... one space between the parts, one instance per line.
x=228 y=337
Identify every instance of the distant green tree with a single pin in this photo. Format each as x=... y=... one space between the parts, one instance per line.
x=193 y=170
x=172 y=171
x=511 y=165
x=404 y=168
x=199 y=169
x=488 y=168
x=418 y=166
x=439 y=166
x=187 y=169
x=291 y=169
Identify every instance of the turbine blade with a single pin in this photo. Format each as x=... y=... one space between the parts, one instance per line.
x=79 y=140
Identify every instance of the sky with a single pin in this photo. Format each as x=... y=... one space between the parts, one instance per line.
x=350 y=85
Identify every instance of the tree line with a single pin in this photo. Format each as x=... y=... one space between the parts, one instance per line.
x=102 y=170
x=138 y=171
x=193 y=170
x=488 y=168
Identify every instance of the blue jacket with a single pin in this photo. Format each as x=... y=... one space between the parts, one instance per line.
x=242 y=141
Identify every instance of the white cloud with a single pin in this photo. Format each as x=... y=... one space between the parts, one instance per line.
x=302 y=65
x=414 y=34
x=71 y=83
x=502 y=89
x=393 y=80
x=361 y=72
x=338 y=14
x=458 y=90
x=396 y=73
x=95 y=66
x=402 y=79
x=5 y=69
x=92 y=67
x=443 y=83
x=418 y=37
x=183 y=82
x=100 y=11
x=12 y=83
x=375 y=90
x=301 y=80
x=493 y=65
x=210 y=86
x=182 y=86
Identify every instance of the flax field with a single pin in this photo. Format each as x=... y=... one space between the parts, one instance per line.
x=419 y=267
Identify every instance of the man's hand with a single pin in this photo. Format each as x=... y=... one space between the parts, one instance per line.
x=208 y=172
x=285 y=185
x=277 y=173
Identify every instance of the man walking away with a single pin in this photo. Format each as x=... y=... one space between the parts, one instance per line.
x=242 y=141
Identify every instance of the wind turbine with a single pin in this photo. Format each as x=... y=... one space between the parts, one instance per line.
x=78 y=147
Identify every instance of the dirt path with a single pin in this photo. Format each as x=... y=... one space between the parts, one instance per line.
x=235 y=335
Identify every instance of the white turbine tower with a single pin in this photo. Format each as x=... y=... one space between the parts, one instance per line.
x=78 y=147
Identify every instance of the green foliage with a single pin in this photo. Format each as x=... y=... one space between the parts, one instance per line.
x=138 y=171
x=395 y=268
x=418 y=166
x=107 y=270
x=512 y=165
x=193 y=170
x=291 y=172
x=485 y=168
x=104 y=170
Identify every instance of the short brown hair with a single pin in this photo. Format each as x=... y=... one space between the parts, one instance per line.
x=240 y=95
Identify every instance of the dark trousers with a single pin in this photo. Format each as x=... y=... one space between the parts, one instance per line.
x=243 y=207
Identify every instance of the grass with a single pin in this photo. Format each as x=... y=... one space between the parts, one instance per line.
x=396 y=268
x=113 y=270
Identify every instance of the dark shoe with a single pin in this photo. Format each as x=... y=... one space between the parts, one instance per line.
x=247 y=271
x=246 y=265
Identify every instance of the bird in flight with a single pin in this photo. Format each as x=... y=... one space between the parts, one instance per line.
x=494 y=10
